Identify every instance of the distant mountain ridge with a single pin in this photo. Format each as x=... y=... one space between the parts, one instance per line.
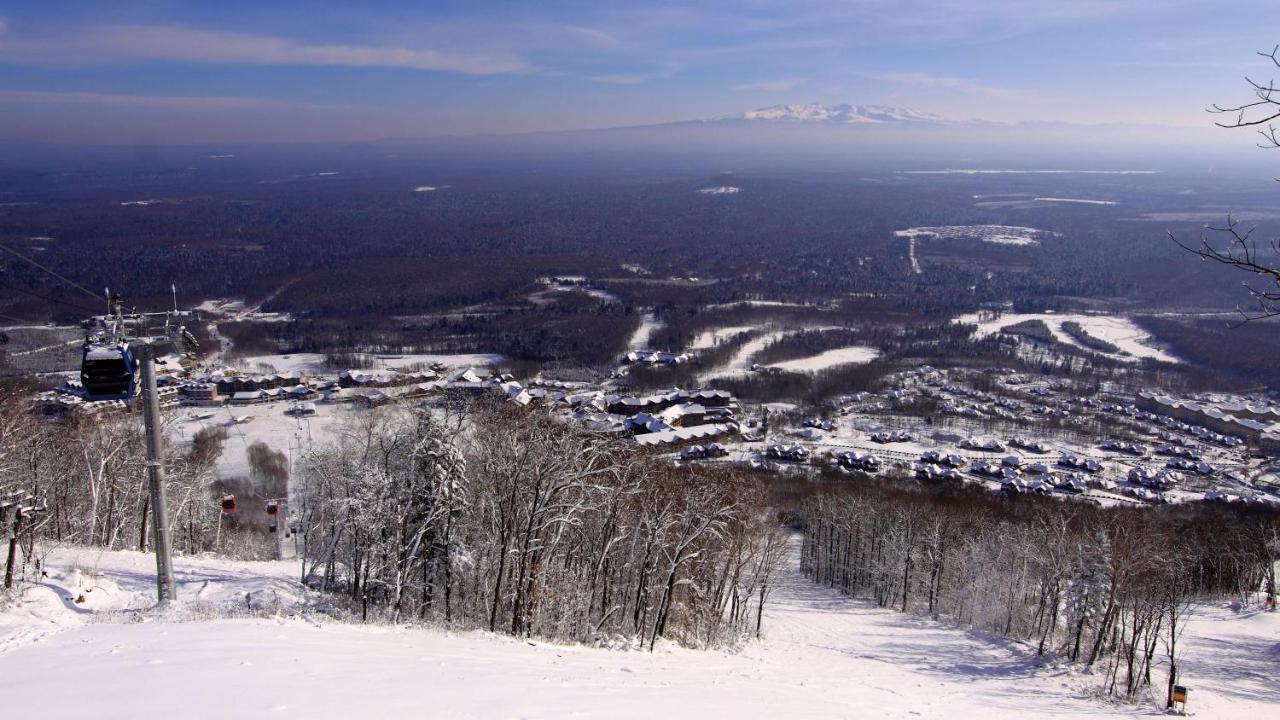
x=844 y=114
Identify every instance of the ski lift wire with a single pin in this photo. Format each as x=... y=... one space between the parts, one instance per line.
x=72 y=283
x=46 y=298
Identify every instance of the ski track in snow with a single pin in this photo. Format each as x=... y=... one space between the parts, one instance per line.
x=823 y=655
x=640 y=339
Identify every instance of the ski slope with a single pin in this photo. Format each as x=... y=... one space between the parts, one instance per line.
x=822 y=656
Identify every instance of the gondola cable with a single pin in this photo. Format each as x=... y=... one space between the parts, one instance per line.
x=72 y=283
x=46 y=298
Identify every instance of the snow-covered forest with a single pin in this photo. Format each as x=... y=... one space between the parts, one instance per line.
x=508 y=520
x=1109 y=589
x=480 y=516
x=473 y=515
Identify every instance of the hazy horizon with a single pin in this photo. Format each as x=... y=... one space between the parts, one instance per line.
x=184 y=73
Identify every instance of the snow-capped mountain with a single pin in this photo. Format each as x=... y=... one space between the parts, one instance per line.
x=836 y=114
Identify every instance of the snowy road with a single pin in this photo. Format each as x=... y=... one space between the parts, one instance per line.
x=824 y=656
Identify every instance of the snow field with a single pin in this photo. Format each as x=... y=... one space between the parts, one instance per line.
x=822 y=655
x=1120 y=331
x=711 y=338
x=840 y=356
x=640 y=339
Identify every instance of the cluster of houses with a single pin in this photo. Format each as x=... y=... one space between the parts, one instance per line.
x=1254 y=423
x=675 y=417
x=646 y=357
x=855 y=460
x=788 y=453
x=704 y=452
x=1128 y=448
x=1080 y=463
x=1159 y=480
x=229 y=387
x=983 y=444
x=891 y=436
x=1031 y=446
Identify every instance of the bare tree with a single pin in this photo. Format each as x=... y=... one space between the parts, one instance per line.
x=1230 y=244
x=1240 y=251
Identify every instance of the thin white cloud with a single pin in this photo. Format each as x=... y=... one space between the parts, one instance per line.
x=920 y=79
x=638 y=77
x=122 y=43
x=773 y=86
x=180 y=102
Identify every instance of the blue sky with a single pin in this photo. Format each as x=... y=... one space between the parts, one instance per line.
x=170 y=71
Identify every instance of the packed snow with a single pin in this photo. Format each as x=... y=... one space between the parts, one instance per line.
x=266 y=423
x=831 y=358
x=245 y=640
x=1119 y=331
x=640 y=339
x=710 y=338
x=740 y=363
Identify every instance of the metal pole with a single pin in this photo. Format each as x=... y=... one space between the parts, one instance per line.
x=13 y=547
x=165 y=590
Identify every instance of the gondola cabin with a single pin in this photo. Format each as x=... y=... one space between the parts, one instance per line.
x=108 y=371
x=228 y=504
x=273 y=508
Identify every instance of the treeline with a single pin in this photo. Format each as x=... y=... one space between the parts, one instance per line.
x=593 y=333
x=1245 y=353
x=1109 y=589
x=89 y=473
x=811 y=389
x=501 y=518
x=1034 y=329
x=1082 y=336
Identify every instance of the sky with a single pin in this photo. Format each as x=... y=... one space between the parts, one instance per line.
x=169 y=71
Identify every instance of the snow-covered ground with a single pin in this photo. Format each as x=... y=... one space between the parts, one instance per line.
x=758 y=303
x=1075 y=200
x=639 y=341
x=743 y=360
x=711 y=338
x=822 y=656
x=1119 y=331
x=740 y=363
x=830 y=358
x=266 y=423
x=911 y=256
x=552 y=288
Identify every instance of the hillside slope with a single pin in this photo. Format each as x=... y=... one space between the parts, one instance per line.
x=823 y=656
